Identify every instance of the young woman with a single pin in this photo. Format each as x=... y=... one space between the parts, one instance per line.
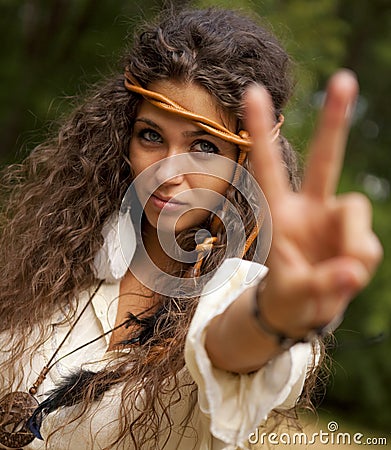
x=135 y=305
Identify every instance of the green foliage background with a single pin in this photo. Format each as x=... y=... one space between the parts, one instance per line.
x=52 y=49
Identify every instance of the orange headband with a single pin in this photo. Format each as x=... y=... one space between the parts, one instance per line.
x=241 y=139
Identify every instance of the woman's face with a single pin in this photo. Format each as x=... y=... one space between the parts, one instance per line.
x=181 y=159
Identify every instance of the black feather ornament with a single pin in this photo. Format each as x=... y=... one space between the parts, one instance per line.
x=147 y=325
x=69 y=392
x=73 y=388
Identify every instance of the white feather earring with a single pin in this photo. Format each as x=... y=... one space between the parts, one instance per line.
x=114 y=257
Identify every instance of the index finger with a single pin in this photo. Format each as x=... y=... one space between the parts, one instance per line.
x=264 y=155
x=328 y=146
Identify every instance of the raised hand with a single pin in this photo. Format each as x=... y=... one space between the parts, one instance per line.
x=324 y=250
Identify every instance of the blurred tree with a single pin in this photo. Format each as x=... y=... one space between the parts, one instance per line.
x=47 y=46
x=368 y=52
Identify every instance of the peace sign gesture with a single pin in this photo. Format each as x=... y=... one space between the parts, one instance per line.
x=323 y=248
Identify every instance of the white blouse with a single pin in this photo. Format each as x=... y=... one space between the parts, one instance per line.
x=229 y=406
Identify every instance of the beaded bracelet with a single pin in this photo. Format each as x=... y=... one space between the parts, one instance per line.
x=284 y=341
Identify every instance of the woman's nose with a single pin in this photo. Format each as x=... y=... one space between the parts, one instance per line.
x=170 y=170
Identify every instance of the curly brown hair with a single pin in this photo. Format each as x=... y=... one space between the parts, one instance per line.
x=57 y=200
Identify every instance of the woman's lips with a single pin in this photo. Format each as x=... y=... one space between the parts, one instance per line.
x=168 y=203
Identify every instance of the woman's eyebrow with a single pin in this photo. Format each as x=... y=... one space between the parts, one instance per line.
x=195 y=133
x=149 y=122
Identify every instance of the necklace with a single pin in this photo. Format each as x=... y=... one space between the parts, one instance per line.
x=18 y=406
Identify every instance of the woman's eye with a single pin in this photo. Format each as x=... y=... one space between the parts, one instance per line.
x=205 y=147
x=150 y=136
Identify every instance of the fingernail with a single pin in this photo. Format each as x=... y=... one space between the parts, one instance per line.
x=349 y=112
x=345 y=83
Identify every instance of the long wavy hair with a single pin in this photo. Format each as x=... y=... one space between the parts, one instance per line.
x=55 y=203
